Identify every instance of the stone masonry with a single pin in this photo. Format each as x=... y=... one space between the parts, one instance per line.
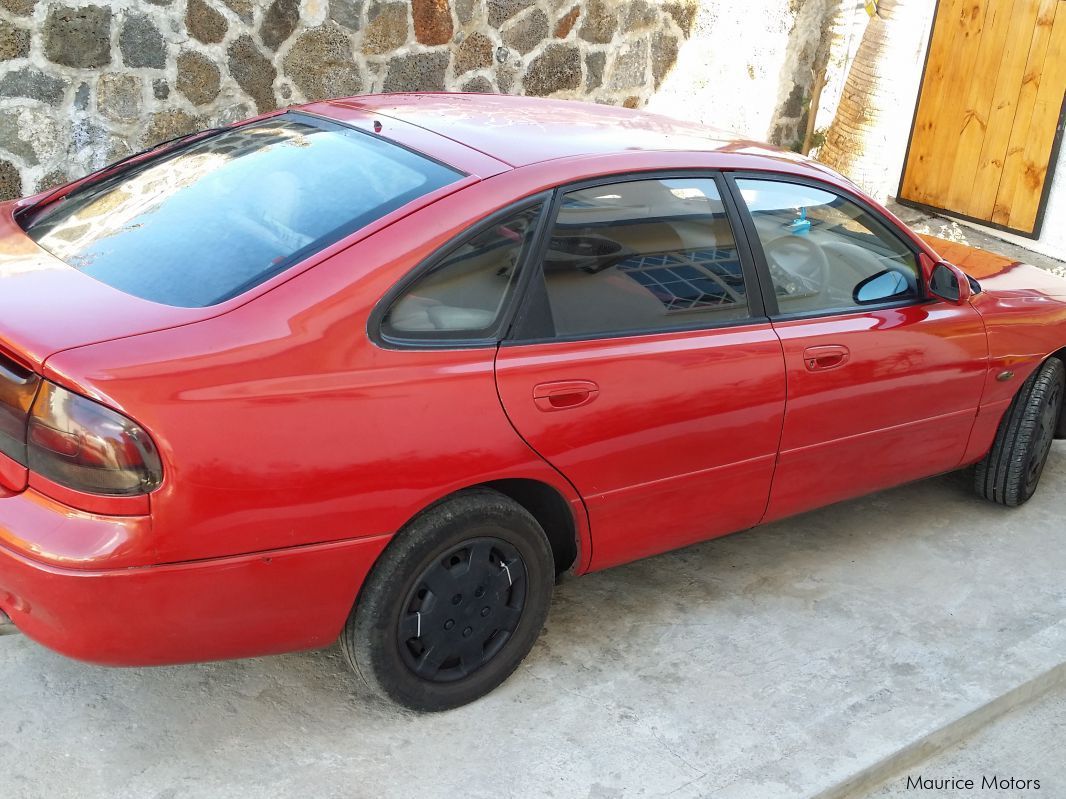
x=85 y=82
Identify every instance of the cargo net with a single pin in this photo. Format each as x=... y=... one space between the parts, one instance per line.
x=689 y=280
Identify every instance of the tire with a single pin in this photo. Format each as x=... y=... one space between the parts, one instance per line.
x=1010 y=472
x=493 y=571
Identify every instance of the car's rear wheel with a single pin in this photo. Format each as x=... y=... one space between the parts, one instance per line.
x=1010 y=472
x=455 y=603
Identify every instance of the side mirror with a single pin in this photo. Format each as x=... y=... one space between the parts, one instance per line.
x=881 y=287
x=949 y=283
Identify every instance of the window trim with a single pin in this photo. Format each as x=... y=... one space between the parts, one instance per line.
x=530 y=324
x=441 y=340
x=755 y=246
x=346 y=125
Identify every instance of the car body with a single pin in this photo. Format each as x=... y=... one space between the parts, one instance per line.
x=298 y=431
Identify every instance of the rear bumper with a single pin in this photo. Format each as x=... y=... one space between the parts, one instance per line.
x=265 y=603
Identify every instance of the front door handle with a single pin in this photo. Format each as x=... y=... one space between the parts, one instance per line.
x=828 y=356
x=562 y=395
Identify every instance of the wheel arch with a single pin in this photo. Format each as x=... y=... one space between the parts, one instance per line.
x=552 y=512
x=545 y=503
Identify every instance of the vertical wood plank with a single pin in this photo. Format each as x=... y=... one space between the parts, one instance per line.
x=1040 y=140
x=938 y=74
x=951 y=116
x=991 y=55
x=1013 y=163
x=989 y=172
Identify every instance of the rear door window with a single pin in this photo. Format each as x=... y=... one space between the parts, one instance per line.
x=216 y=217
x=643 y=256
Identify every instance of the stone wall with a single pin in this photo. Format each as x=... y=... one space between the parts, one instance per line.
x=84 y=82
x=806 y=58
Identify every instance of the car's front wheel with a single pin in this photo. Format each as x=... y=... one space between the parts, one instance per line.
x=455 y=603
x=1010 y=472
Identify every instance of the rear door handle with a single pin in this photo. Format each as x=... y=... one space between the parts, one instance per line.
x=562 y=395
x=828 y=356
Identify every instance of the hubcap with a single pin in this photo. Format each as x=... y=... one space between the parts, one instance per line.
x=1044 y=436
x=462 y=609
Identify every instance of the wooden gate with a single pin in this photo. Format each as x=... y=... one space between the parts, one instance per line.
x=990 y=112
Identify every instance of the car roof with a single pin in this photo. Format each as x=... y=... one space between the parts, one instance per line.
x=520 y=131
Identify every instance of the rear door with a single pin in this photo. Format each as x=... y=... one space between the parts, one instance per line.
x=883 y=381
x=643 y=368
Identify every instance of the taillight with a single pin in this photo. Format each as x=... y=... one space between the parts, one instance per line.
x=83 y=445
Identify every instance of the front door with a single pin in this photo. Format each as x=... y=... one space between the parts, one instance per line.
x=883 y=383
x=643 y=368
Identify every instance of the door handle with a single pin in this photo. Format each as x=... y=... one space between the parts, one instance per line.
x=829 y=356
x=562 y=395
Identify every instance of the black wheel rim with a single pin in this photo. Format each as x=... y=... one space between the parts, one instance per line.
x=462 y=609
x=1047 y=423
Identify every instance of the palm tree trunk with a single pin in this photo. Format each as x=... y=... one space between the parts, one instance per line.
x=868 y=136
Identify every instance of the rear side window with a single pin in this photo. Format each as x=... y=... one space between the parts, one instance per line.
x=643 y=256
x=216 y=217
x=464 y=295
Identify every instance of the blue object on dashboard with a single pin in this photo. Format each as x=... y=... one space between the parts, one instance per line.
x=801 y=224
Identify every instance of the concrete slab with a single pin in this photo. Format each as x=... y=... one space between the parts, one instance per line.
x=1022 y=749
x=779 y=662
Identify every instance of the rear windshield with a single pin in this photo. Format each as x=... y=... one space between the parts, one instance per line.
x=217 y=216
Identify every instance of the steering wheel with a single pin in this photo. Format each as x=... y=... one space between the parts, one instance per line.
x=797 y=265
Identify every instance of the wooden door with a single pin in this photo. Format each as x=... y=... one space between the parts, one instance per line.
x=990 y=111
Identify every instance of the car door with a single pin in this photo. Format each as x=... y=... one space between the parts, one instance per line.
x=643 y=368
x=884 y=381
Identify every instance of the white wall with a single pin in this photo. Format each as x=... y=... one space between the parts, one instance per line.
x=728 y=74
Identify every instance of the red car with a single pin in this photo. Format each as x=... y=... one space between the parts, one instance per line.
x=382 y=368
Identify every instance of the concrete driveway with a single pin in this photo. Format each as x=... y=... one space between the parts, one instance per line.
x=810 y=657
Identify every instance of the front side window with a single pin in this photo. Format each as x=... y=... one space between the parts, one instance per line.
x=824 y=252
x=464 y=295
x=211 y=219
x=643 y=255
